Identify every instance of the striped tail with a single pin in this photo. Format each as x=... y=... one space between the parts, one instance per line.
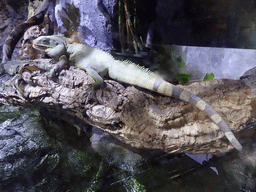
x=168 y=89
x=131 y=73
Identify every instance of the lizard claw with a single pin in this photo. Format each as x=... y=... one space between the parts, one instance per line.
x=91 y=91
x=88 y=98
x=92 y=88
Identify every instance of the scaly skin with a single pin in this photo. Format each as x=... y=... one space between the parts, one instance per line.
x=98 y=63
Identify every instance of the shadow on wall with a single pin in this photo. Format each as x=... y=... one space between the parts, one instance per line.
x=201 y=23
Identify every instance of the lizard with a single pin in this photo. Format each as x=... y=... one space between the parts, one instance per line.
x=98 y=63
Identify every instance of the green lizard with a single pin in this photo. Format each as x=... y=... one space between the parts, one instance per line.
x=98 y=63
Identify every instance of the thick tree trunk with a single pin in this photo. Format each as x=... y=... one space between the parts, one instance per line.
x=137 y=117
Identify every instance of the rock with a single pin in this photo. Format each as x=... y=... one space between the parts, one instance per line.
x=249 y=77
x=94 y=26
x=25 y=148
x=222 y=62
x=33 y=160
x=113 y=151
x=38 y=155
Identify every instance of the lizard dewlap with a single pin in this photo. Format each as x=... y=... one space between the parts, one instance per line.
x=98 y=63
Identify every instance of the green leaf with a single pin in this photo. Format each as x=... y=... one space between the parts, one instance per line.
x=209 y=76
x=183 y=78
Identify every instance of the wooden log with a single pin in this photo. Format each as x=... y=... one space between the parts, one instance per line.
x=137 y=117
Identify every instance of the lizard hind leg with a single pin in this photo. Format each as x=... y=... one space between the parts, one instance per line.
x=98 y=83
x=92 y=89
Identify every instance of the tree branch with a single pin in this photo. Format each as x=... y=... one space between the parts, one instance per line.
x=137 y=117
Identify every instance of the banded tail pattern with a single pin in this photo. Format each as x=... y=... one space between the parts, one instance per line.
x=137 y=75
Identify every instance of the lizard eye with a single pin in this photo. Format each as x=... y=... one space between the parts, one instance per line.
x=46 y=41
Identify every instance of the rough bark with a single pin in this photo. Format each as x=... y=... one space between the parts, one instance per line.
x=137 y=117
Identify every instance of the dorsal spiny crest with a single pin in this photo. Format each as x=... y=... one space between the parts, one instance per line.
x=127 y=62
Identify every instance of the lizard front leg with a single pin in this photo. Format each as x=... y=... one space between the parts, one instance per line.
x=55 y=52
x=63 y=63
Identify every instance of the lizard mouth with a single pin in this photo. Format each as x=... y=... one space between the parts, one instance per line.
x=39 y=46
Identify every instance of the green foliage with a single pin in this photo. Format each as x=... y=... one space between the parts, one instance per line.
x=183 y=78
x=134 y=185
x=168 y=61
x=208 y=76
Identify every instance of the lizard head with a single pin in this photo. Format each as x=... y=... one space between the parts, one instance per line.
x=54 y=45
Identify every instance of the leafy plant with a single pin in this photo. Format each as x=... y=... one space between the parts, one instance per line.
x=208 y=76
x=183 y=78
